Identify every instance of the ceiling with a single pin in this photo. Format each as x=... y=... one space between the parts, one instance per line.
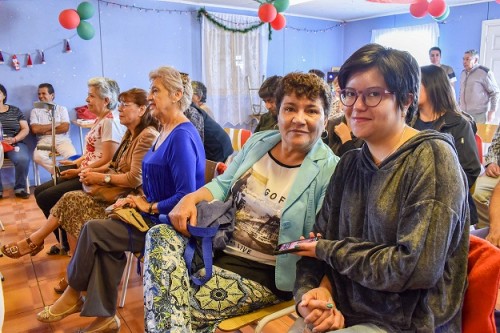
x=339 y=10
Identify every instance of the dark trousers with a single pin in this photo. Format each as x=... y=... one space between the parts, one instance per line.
x=48 y=194
x=98 y=262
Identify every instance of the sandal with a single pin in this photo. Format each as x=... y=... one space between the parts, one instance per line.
x=61 y=286
x=12 y=250
x=46 y=316
x=109 y=326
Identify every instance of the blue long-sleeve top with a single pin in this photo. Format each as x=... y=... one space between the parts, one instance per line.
x=174 y=169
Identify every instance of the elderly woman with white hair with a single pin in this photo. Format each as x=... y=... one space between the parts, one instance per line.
x=173 y=167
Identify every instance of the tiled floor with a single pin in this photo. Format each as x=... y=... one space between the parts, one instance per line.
x=29 y=281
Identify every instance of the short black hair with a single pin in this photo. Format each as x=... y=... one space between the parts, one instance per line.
x=200 y=90
x=269 y=86
x=399 y=68
x=318 y=72
x=4 y=92
x=48 y=86
x=435 y=48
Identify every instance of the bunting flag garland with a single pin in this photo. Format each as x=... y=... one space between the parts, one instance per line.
x=29 y=63
x=1 y=57
x=42 y=57
x=67 y=48
x=15 y=63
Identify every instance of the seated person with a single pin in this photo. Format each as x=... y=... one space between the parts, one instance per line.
x=41 y=125
x=278 y=182
x=102 y=140
x=15 y=129
x=200 y=97
x=395 y=219
x=266 y=93
x=340 y=138
x=173 y=167
x=487 y=182
x=494 y=232
x=76 y=207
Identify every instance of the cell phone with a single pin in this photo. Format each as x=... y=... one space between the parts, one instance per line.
x=290 y=246
x=61 y=168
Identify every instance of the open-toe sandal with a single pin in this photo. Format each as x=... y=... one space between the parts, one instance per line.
x=12 y=250
x=61 y=286
x=46 y=316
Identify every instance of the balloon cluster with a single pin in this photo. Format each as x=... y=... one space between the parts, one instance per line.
x=271 y=13
x=71 y=19
x=435 y=8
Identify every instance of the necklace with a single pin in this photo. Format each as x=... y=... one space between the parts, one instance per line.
x=396 y=146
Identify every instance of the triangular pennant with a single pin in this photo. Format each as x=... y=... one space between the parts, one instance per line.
x=1 y=57
x=15 y=63
x=29 y=63
x=67 y=49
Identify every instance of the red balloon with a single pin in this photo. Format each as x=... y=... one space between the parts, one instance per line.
x=419 y=9
x=69 y=18
x=437 y=8
x=498 y=1
x=279 y=22
x=267 y=12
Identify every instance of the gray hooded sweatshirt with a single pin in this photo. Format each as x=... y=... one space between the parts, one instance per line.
x=395 y=238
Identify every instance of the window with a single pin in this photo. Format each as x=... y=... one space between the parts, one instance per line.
x=404 y=39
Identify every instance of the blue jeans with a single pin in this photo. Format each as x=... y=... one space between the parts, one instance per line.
x=21 y=160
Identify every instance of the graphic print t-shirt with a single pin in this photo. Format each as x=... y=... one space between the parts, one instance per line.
x=260 y=196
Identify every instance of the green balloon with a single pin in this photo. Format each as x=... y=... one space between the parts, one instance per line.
x=85 y=10
x=85 y=30
x=281 y=5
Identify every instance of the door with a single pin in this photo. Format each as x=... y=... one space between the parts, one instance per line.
x=490 y=52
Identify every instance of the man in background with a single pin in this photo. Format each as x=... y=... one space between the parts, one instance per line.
x=41 y=125
x=435 y=57
x=268 y=120
x=479 y=92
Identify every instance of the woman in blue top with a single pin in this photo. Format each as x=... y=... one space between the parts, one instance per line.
x=278 y=183
x=173 y=167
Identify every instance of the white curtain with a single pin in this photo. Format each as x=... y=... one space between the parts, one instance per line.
x=228 y=58
x=416 y=39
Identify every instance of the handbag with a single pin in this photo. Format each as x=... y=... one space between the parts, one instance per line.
x=83 y=112
x=131 y=216
x=214 y=229
x=106 y=193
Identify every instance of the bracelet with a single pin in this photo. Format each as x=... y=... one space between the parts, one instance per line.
x=297 y=309
x=150 y=210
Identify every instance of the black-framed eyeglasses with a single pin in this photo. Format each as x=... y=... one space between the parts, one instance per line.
x=371 y=96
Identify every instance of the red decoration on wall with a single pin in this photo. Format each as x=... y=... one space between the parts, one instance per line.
x=29 y=63
x=15 y=63
x=437 y=8
x=1 y=57
x=42 y=57
x=67 y=47
x=69 y=18
x=267 y=12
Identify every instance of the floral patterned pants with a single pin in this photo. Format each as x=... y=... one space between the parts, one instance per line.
x=175 y=305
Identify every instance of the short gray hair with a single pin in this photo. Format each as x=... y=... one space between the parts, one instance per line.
x=473 y=53
x=174 y=81
x=107 y=88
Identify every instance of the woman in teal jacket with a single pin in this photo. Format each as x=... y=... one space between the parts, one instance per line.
x=278 y=183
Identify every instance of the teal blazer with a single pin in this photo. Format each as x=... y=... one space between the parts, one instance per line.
x=303 y=202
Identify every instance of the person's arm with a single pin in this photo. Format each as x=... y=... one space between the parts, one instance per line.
x=494 y=208
x=23 y=132
x=493 y=91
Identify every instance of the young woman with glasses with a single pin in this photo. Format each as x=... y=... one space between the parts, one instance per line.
x=394 y=222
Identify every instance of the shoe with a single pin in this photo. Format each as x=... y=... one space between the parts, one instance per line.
x=54 y=249
x=110 y=326
x=12 y=250
x=61 y=286
x=22 y=194
x=46 y=316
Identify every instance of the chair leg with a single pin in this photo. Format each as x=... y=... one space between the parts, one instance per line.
x=125 y=278
x=1 y=225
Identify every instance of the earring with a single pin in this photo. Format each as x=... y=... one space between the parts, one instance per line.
x=324 y=135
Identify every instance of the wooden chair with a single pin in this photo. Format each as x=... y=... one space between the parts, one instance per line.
x=261 y=317
x=486 y=133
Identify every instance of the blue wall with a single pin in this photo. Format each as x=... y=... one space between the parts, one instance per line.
x=129 y=43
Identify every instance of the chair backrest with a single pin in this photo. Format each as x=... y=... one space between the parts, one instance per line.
x=479 y=144
x=238 y=137
x=486 y=131
x=481 y=295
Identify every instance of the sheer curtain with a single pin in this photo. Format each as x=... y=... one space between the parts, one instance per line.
x=228 y=58
x=416 y=39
